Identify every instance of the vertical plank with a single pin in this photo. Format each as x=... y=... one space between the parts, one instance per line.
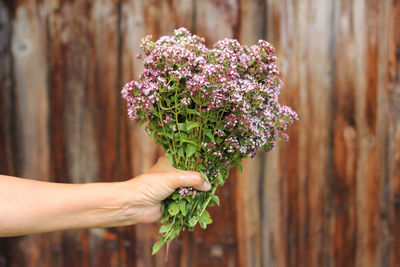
x=29 y=48
x=7 y=116
x=357 y=49
x=72 y=126
x=162 y=17
x=71 y=131
x=8 y=153
x=297 y=173
x=345 y=135
x=390 y=150
x=368 y=42
x=249 y=197
x=30 y=90
x=216 y=20
x=137 y=151
x=84 y=60
x=387 y=114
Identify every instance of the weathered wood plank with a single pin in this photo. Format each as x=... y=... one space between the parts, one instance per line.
x=297 y=172
x=249 y=194
x=345 y=137
x=8 y=153
x=390 y=150
x=30 y=110
x=368 y=21
x=29 y=48
x=7 y=101
x=71 y=122
x=387 y=121
x=216 y=20
x=84 y=95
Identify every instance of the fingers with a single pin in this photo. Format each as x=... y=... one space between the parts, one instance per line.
x=180 y=178
x=190 y=179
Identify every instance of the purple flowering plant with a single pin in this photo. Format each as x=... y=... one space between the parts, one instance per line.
x=208 y=108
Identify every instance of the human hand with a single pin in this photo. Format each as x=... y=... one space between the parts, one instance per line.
x=143 y=202
x=30 y=206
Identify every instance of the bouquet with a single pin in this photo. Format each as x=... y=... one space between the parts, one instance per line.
x=208 y=108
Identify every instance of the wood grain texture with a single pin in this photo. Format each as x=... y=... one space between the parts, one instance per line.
x=389 y=113
x=29 y=48
x=297 y=173
x=7 y=116
x=328 y=197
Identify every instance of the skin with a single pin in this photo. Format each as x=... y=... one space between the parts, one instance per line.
x=30 y=206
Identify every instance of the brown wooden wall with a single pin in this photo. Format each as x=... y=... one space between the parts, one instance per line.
x=328 y=197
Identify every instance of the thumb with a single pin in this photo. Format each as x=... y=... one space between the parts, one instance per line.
x=189 y=179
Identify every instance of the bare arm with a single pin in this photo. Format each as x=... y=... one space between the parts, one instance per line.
x=29 y=206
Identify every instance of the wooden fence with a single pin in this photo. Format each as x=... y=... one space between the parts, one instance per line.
x=328 y=197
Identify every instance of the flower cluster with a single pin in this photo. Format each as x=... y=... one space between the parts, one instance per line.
x=208 y=108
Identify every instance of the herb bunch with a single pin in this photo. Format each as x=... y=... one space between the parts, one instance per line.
x=208 y=108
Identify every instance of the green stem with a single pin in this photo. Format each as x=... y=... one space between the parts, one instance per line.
x=168 y=233
x=206 y=204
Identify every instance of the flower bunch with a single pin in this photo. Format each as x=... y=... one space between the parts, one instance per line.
x=208 y=108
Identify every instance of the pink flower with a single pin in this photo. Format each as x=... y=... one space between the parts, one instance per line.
x=186 y=101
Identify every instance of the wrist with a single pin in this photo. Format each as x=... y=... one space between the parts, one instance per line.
x=116 y=205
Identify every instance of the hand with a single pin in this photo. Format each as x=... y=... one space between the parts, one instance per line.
x=149 y=189
x=29 y=206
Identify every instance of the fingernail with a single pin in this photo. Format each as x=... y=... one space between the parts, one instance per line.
x=206 y=186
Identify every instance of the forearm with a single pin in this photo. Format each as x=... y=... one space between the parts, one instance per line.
x=28 y=206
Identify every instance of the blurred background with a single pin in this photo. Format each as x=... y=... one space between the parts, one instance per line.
x=330 y=196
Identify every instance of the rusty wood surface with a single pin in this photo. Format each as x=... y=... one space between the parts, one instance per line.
x=328 y=197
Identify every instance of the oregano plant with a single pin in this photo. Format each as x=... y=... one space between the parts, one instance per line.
x=208 y=108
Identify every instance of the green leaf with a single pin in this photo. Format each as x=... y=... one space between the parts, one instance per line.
x=204 y=176
x=190 y=149
x=157 y=246
x=193 y=111
x=220 y=178
x=202 y=167
x=192 y=221
x=180 y=152
x=205 y=217
x=173 y=208
x=164 y=228
x=191 y=124
x=209 y=134
x=182 y=207
x=170 y=135
x=203 y=224
x=170 y=158
x=212 y=118
x=186 y=140
x=215 y=199
x=182 y=126
x=239 y=167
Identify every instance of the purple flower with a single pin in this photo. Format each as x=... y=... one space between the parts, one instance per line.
x=186 y=101
x=220 y=133
x=186 y=191
x=167 y=119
